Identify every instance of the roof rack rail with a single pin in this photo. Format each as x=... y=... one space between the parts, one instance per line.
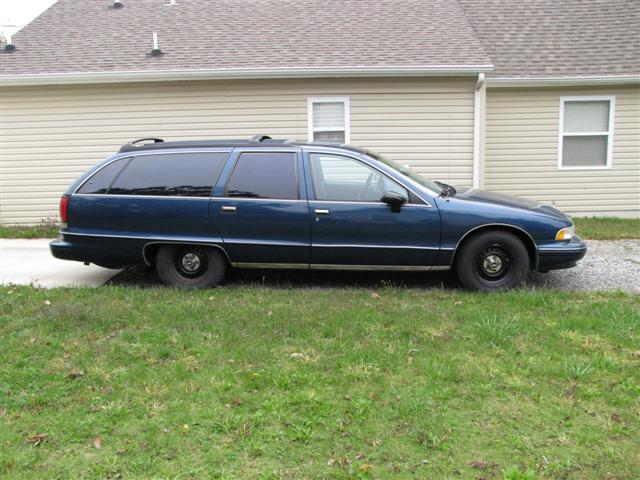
x=260 y=138
x=147 y=139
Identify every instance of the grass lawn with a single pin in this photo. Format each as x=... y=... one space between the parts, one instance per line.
x=295 y=383
x=607 y=228
x=592 y=228
x=41 y=230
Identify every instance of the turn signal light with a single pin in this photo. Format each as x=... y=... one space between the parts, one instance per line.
x=565 y=234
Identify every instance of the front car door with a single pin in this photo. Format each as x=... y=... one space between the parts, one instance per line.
x=260 y=208
x=351 y=227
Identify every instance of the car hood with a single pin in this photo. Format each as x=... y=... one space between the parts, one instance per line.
x=492 y=198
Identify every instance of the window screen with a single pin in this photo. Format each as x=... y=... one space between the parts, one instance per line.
x=328 y=120
x=586 y=133
x=179 y=174
x=101 y=180
x=264 y=175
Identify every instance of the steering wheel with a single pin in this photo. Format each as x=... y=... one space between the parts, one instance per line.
x=366 y=187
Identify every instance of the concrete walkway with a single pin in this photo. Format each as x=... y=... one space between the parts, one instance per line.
x=27 y=262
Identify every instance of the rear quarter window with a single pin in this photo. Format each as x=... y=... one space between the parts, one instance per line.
x=102 y=179
x=179 y=174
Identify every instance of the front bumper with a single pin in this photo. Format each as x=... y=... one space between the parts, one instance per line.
x=561 y=255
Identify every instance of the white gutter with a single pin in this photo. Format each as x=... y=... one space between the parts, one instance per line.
x=241 y=73
x=477 y=128
x=562 y=81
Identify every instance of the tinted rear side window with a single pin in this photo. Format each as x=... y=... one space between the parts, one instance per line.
x=100 y=182
x=179 y=174
x=264 y=175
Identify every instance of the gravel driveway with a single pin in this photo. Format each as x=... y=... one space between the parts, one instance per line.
x=608 y=265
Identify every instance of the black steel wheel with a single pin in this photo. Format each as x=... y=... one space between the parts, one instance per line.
x=492 y=260
x=190 y=266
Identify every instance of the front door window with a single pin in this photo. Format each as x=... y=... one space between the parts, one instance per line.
x=339 y=178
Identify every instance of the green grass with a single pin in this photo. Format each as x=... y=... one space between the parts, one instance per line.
x=295 y=383
x=607 y=228
x=41 y=230
x=592 y=228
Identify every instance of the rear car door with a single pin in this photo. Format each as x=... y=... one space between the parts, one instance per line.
x=350 y=225
x=260 y=208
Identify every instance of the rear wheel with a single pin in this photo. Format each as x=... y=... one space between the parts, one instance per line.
x=492 y=260
x=190 y=266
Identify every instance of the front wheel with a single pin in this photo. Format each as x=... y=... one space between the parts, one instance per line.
x=190 y=266
x=491 y=261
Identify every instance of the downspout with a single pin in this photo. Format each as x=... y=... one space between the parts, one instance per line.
x=477 y=129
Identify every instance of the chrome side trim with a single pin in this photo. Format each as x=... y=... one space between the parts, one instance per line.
x=399 y=268
x=407 y=247
x=344 y=202
x=560 y=249
x=293 y=266
x=233 y=241
x=495 y=225
x=322 y=266
x=249 y=199
x=147 y=262
x=114 y=195
x=149 y=237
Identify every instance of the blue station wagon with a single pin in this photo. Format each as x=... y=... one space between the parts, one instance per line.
x=194 y=209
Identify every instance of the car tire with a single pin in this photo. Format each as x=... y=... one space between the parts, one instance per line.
x=190 y=266
x=491 y=261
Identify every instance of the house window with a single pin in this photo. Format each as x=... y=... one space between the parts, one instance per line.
x=586 y=132
x=328 y=119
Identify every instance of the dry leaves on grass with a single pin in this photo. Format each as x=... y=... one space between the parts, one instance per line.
x=37 y=439
x=75 y=375
x=97 y=443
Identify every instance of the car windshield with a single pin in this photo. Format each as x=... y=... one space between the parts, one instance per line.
x=409 y=173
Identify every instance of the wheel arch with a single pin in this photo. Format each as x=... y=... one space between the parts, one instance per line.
x=522 y=234
x=150 y=249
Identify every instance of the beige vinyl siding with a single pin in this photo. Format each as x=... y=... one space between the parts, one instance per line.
x=521 y=153
x=50 y=135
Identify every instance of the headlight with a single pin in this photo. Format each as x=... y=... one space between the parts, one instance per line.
x=565 y=234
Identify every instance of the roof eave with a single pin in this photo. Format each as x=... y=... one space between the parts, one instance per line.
x=562 y=81
x=234 y=74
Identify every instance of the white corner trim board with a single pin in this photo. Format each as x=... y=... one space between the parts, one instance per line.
x=478 y=97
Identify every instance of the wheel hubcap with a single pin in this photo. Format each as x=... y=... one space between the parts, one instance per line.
x=191 y=263
x=492 y=263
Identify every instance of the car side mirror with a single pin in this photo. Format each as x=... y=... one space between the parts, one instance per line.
x=394 y=200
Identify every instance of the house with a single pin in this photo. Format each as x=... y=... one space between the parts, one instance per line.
x=538 y=98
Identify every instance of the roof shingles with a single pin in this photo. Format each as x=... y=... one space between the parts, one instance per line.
x=90 y=36
x=533 y=38
x=558 y=38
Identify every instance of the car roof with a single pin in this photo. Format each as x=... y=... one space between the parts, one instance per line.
x=145 y=144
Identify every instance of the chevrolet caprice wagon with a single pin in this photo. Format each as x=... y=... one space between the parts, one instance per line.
x=194 y=209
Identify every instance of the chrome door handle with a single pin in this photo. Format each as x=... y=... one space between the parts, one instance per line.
x=227 y=208
x=322 y=211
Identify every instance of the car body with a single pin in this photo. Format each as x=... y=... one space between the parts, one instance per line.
x=267 y=203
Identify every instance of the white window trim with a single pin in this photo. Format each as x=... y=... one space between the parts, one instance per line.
x=609 y=133
x=347 y=117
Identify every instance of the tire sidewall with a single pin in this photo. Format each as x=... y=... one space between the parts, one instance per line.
x=169 y=273
x=518 y=255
